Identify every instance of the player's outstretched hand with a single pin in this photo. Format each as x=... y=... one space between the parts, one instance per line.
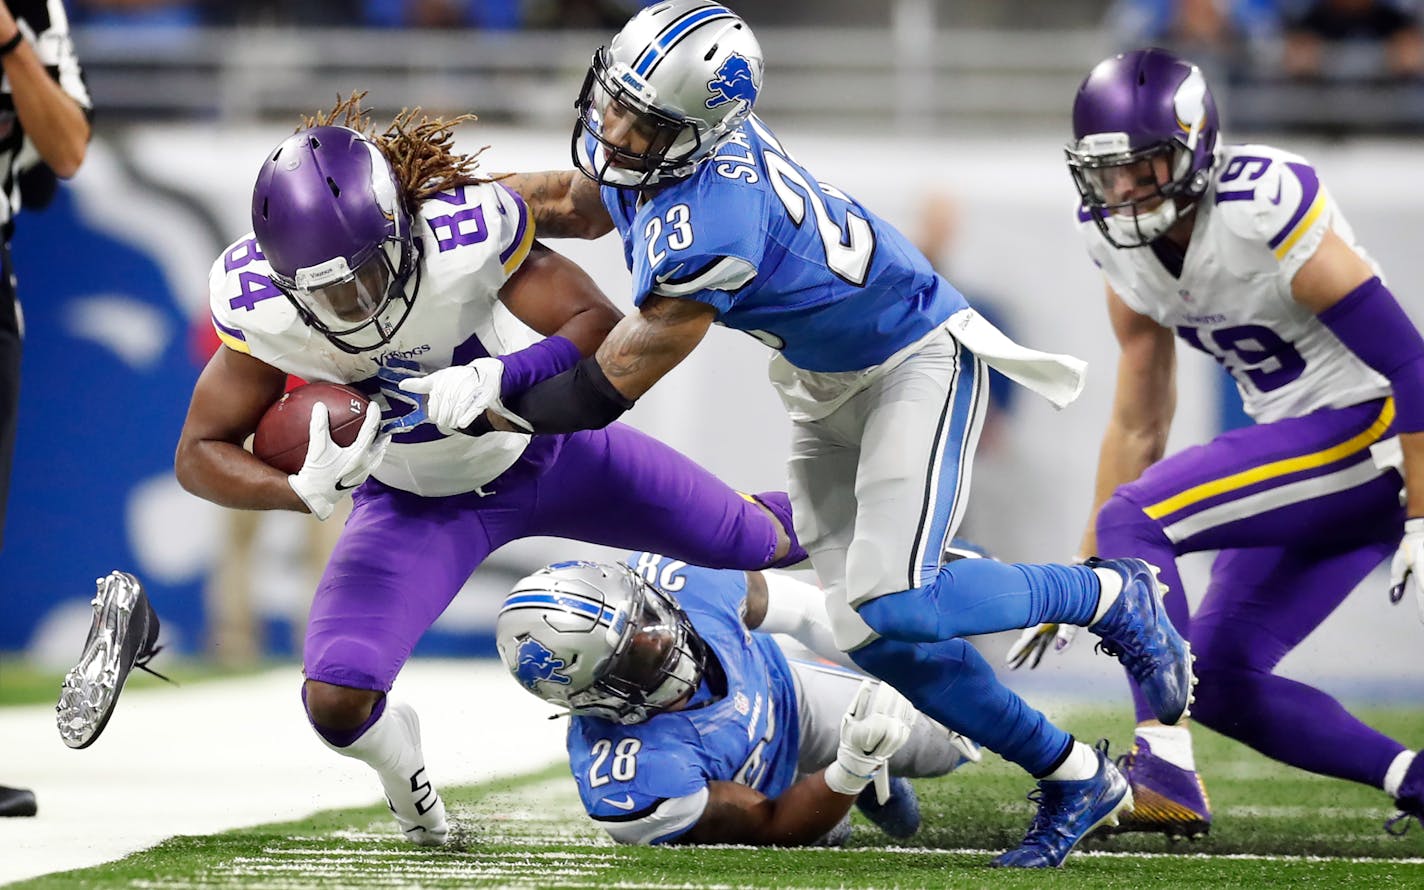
x=456 y=396
x=1406 y=571
x=877 y=725
x=331 y=471
x=1035 y=641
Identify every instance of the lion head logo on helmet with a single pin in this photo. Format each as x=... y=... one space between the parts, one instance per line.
x=734 y=82
x=536 y=662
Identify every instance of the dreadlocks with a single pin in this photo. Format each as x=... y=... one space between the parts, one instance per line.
x=417 y=146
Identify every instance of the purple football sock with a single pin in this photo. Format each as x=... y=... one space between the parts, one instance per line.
x=780 y=506
x=1260 y=605
x=1293 y=723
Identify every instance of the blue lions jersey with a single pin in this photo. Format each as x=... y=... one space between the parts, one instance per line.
x=740 y=726
x=794 y=262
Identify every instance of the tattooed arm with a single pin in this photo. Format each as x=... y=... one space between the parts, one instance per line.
x=636 y=354
x=643 y=347
x=564 y=203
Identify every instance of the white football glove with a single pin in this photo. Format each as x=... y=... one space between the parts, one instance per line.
x=877 y=725
x=1406 y=571
x=966 y=747
x=456 y=396
x=1037 y=640
x=331 y=471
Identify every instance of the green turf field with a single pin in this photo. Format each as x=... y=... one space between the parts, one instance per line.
x=1276 y=827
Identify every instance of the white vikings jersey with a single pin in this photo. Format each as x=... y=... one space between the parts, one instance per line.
x=1263 y=215
x=472 y=239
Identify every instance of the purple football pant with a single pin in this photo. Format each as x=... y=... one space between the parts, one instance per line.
x=402 y=558
x=1301 y=515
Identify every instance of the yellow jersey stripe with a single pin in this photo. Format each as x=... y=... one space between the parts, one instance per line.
x=1199 y=493
x=521 y=251
x=232 y=342
x=1317 y=207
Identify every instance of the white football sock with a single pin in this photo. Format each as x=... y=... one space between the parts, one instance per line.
x=1082 y=763
x=1110 y=583
x=1170 y=743
x=1394 y=776
x=391 y=746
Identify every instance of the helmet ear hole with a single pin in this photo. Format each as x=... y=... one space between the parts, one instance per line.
x=264 y=209
x=335 y=189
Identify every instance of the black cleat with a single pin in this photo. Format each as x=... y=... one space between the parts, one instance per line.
x=17 y=802
x=123 y=637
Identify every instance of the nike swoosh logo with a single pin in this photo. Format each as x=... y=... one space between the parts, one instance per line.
x=625 y=804
x=1277 y=198
x=340 y=487
x=667 y=276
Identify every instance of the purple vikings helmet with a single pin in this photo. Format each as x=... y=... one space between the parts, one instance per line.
x=1134 y=113
x=674 y=84
x=327 y=214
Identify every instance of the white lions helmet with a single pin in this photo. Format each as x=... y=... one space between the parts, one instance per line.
x=599 y=640
x=677 y=81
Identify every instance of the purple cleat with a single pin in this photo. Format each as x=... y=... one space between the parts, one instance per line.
x=1410 y=800
x=1167 y=799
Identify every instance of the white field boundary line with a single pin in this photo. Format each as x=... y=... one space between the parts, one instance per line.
x=223 y=754
x=307 y=868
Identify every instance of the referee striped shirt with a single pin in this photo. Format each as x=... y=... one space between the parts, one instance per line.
x=46 y=28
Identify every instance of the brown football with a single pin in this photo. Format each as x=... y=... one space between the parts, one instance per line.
x=281 y=438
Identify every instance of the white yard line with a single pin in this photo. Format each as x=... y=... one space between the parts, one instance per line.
x=225 y=754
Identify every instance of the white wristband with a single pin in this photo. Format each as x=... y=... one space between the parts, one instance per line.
x=843 y=781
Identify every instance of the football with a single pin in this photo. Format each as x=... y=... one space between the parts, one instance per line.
x=281 y=438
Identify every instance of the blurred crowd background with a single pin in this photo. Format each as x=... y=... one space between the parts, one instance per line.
x=1333 y=66
x=947 y=117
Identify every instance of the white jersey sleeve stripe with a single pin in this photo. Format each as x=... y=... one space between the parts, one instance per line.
x=727 y=274
x=666 y=821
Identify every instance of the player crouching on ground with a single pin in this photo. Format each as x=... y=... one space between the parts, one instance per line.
x=688 y=728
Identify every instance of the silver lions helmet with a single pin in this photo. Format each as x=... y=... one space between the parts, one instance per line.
x=678 y=80
x=599 y=640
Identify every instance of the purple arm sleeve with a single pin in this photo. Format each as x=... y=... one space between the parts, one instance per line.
x=1371 y=323
x=545 y=359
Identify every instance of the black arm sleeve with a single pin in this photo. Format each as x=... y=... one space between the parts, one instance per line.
x=581 y=398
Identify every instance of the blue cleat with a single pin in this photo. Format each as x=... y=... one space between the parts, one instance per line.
x=899 y=816
x=1137 y=631
x=1067 y=813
